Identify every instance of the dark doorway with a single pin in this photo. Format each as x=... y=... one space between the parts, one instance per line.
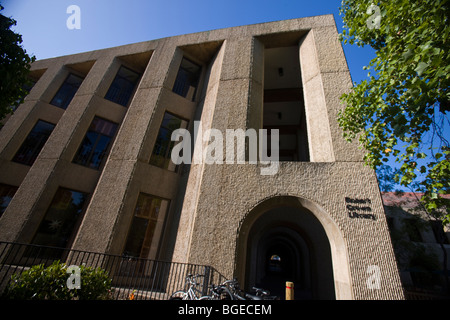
x=283 y=256
x=289 y=244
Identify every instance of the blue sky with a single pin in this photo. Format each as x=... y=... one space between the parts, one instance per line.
x=109 y=23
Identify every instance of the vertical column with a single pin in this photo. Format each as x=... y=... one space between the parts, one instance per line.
x=23 y=210
x=318 y=126
x=105 y=208
x=190 y=199
x=234 y=105
x=336 y=80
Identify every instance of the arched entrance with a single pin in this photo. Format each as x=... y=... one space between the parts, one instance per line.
x=282 y=240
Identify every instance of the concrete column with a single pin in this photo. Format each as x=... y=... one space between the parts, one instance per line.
x=189 y=202
x=336 y=80
x=319 y=136
x=239 y=92
x=22 y=217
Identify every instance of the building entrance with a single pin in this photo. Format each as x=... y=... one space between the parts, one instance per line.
x=288 y=243
x=283 y=255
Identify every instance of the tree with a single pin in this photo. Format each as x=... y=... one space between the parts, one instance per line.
x=15 y=65
x=401 y=112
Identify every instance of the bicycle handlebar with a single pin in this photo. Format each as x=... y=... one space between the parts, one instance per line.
x=261 y=291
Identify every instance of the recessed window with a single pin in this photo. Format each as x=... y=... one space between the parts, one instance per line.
x=6 y=194
x=122 y=87
x=68 y=89
x=34 y=143
x=148 y=216
x=96 y=143
x=187 y=79
x=284 y=104
x=161 y=156
x=62 y=219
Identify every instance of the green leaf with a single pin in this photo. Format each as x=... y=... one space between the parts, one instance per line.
x=407 y=54
x=421 y=68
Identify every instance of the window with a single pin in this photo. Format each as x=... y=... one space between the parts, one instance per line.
x=122 y=87
x=34 y=142
x=187 y=79
x=147 y=221
x=62 y=219
x=161 y=156
x=95 y=143
x=6 y=194
x=67 y=91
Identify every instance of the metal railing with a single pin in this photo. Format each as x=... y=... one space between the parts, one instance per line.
x=131 y=277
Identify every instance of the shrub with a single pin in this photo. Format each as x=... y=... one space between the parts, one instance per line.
x=40 y=283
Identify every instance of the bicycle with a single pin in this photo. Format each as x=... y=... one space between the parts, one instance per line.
x=192 y=293
x=220 y=292
x=262 y=294
x=232 y=288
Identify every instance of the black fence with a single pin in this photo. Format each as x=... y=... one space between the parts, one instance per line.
x=131 y=278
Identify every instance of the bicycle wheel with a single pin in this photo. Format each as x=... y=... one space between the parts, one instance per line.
x=178 y=295
x=225 y=294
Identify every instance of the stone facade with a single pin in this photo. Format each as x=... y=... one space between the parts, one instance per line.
x=323 y=214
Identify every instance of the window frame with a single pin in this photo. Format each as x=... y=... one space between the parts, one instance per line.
x=180 y=87
x=167 y=157
x=66 y=101
x=77 y=159
x=147 y=243
x=75 y=221
x=32 y=158
x=114 y=98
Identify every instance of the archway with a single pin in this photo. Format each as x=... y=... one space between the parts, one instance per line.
x=281 y=240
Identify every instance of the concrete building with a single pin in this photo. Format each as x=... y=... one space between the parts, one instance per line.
x=85 y=160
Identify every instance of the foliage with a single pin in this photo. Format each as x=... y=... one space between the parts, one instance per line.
x=41 y=283
x=401 y=112
x=15 y=65
x=95 y=284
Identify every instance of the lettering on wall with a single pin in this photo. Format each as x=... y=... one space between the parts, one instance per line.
x=359 y=208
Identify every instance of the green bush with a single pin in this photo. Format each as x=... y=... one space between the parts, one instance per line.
x=40 y=283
